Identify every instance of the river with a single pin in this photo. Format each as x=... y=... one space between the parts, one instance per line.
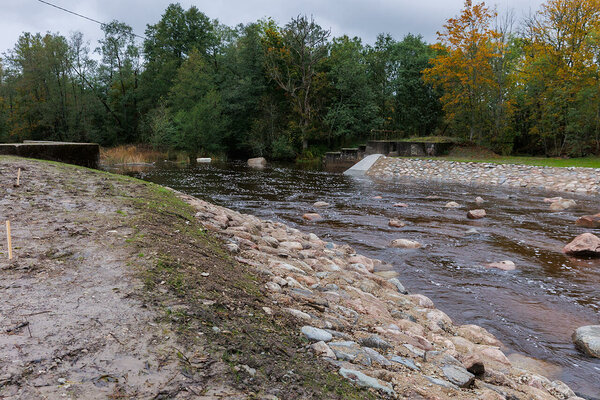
x=532 y=310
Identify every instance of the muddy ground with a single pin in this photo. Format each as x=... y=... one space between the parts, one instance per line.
x=116 y=291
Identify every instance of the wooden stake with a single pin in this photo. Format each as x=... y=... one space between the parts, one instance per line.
x=8 y=239
x=19 y=177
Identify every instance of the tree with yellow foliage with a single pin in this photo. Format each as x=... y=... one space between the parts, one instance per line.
x=561 y=75
x=463 y=69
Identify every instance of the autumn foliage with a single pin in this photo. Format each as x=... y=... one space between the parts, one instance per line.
x=514 y=86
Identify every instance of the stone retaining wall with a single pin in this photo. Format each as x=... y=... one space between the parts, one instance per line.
x=575 y=180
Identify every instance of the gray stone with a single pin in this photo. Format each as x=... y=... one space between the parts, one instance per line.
x=441 y=382
x=458 y=375
x=399 y=285
x=376 y=342
x=407 y=362
x=405 y=244
x=587 y=338
x=350 y=351
x=376 y=357
x=321 y=349
x=415 y=350
x=364 y=380
x=316 y=334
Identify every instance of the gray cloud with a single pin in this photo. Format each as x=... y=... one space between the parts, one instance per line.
x=360 y=18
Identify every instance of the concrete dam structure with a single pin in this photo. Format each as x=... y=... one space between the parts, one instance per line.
x=84 y=154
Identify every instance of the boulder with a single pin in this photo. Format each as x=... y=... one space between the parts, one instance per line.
x=476 y=214
x=377 y=197
x=321 y=204
x=400 y=205
x=587 y=338
x=505 y=265
x=374 y=341
x=458 y=376
x=561 y=204
x=452 y=204
x=315 y=334
x=364 y=380
x=405 y=244
x=396 y=223
x=589 y=221
x=474 y=364
x=584 y=245
x=259 y=162
x=321 y=349
x=479 y=200
x=312 y=217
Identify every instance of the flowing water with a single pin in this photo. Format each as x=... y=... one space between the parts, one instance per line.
x=533 y=310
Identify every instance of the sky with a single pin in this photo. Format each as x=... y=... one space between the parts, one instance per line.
x=363 y=18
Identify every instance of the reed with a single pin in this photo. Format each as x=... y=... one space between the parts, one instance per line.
x=130 y=154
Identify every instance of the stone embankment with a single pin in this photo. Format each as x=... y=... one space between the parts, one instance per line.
x=572 y=179
x=355 y=314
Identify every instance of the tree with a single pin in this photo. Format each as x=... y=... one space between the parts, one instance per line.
x=561 y=73
x=416 y=105
x=382 y=72
x=463 y=69
x=198 y=109
x=119 y=72
x=168 y=44
x=352 y=110
x=293 y=57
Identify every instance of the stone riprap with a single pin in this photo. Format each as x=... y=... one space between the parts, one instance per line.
x=354 y=313
x=576 y=180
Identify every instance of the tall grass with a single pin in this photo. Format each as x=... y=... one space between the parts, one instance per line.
x=130 y=154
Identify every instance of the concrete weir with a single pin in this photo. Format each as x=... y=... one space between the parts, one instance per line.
x=361 y=167
x=84 y=154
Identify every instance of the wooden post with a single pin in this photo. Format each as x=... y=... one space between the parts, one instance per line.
x=8 y=239
x=19 y=177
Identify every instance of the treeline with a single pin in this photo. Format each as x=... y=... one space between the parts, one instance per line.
x=261 y=89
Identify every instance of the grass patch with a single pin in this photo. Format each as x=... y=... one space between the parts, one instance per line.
x=584 y=162
x=431 y=139
x=130 y=154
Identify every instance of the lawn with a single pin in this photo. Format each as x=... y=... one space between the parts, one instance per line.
x=587 y=162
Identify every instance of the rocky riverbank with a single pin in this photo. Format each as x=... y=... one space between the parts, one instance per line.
x=575 y=180
x=357 y=316
x=121 y=288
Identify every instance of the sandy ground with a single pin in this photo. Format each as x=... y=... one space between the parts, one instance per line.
x=71 y=322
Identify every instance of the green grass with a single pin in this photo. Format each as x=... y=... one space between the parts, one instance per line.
x=586 y=162
x=431 y=139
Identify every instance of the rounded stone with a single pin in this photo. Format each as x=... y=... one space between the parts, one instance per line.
x=476 y=214
x=316 y=334
x=587 y=338
x=405 y=244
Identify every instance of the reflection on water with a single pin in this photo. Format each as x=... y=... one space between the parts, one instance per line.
x=533 y=310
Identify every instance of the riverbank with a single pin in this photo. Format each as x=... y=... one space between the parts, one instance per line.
x=572 y=179
x=245 y=313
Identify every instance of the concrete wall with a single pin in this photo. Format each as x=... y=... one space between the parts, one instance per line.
x=84 y=154
x=393 y=148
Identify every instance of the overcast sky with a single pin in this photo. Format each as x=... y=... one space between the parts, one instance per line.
x=363 y=18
